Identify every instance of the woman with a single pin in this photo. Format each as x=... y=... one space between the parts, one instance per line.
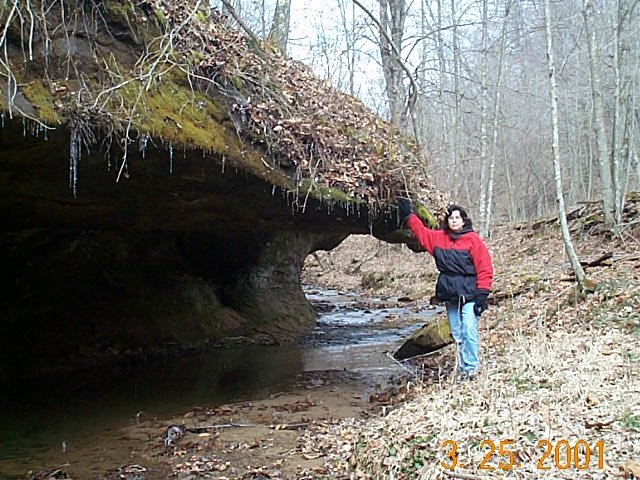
x=464 y=283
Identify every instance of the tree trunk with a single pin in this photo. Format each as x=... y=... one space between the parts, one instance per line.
x=573 y=258
x=394 y=67
x=494 y=128
x=442 y=69
x=392 y=17
x=623 y=132
x=482 y=206
x=279 y=33
x=604 y=161
x=457 y=120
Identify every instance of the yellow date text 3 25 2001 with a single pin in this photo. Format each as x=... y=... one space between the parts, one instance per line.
x=560 y=454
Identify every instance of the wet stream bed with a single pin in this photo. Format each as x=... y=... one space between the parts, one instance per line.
x=246 y=404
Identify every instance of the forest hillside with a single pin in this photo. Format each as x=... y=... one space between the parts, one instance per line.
x=560 y=372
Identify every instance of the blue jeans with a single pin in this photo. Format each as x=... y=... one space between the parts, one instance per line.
x=464 y=330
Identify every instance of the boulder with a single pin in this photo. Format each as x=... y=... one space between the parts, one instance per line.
x=432 y=336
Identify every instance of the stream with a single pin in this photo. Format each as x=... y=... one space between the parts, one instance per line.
x=77 y=421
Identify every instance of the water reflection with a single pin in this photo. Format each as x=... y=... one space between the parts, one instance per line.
x=39 y=419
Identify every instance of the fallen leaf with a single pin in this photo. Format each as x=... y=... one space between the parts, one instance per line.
x=631 y=469
x=311 y=456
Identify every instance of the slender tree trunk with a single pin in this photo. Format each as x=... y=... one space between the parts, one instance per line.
x=573 y=258
x=635 y=115
x=482 y=203
x=350 y=38
x=457 y=115
x=445 y=113
x=513 y=209
x=424 y=123
x=616 y=137
x=394 y=67
x=496 y=114
x=604 y=162
x=623 y=111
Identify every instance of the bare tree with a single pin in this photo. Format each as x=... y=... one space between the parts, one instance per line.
x=395 y=69
x=457 y=108
x=497 y=97
x=482 y=202
x=566 y=236
x=393 y=14
x=599 y=116
x=622 y=128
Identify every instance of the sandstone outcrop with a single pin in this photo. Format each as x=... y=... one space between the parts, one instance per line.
x=164 y=177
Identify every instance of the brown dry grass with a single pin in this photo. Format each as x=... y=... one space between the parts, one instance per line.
x=553 y=369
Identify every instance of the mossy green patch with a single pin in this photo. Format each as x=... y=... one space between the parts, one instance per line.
x=120 y=11
x=325 y=193
x=429 y=218
x=42 y=99
x=173 y=112
x=143 y=27
x=161 y=18
x=201 y=16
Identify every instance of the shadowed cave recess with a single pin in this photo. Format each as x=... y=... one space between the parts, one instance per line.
x=157 y=201
x=184 y=252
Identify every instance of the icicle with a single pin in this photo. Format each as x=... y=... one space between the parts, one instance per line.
x=2 y=118
x=273 y=191
x=170 y=158
x=24 y=127
x=223 y=159
x=142 y=144
x=74 y=156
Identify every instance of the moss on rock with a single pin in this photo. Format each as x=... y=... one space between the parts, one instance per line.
x=40 y=96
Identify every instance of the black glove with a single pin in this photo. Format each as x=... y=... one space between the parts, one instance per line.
x=481 y=302
x=405 y=207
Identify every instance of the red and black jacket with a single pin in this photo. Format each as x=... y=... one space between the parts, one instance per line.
x=462 y=259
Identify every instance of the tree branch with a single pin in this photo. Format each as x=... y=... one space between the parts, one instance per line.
x=237 y=18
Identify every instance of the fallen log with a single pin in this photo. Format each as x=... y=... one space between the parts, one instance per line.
x=598 y=261
x=219 y=426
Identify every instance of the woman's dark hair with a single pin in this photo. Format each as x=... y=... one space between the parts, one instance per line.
x=463 y=213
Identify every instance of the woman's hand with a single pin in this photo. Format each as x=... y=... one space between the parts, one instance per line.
x=481 y=304
x=405 y=207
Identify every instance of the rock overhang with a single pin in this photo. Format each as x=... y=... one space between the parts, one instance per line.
x=171 y=193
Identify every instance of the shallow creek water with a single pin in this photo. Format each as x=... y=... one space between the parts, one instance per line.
x=77 y=422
